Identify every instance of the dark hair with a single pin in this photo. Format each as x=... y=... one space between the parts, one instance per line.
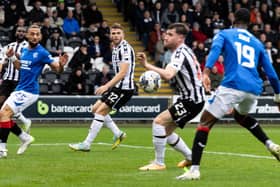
x=180 y=28
x=242 y=16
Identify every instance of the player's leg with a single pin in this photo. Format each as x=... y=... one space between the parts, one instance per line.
x=183 y=111
x=25 y=99
x=252 y=125
x=26 y=122
x=218 y=106
x=159 y=132
x=119 y=135
x=177 y=143
x=123 y=97
x=95 y=127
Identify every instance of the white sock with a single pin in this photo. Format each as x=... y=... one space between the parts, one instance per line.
x=159 y=141
x=178 y=144
x=22 y=118
x=95 y=127
x=24 y=136
x=194 y=168
x=2 y=146
x=110 y=124
x=268 y=143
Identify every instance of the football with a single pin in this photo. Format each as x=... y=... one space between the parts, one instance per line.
x=150 y=81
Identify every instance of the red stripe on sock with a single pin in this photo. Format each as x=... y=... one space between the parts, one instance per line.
x=203 y=128
x=12 y=123
x=6 y=124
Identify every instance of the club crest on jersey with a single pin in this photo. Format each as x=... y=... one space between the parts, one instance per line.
x=35 y=55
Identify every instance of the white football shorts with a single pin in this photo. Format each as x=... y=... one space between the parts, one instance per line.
x=225 y=99
x=20 y=100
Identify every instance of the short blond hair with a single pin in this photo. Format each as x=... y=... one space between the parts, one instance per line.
x=117 y=26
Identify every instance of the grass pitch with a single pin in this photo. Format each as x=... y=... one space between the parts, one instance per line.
x=232 y=158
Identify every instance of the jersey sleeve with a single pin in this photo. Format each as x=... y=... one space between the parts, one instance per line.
x=3 y=54
x=216 y=48
x=47 y=57
x=270 y=71
x=176 y=61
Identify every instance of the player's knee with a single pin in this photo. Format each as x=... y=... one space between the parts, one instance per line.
x=159 y=130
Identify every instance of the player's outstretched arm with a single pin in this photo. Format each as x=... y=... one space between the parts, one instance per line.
x=168 y=73
x=59 y=66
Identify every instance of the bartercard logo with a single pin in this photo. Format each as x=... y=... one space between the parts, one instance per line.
x=42 y=107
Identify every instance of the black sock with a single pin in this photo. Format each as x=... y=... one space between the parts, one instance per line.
x=199 y=143
x=253 y=126
x=16 y=130
x=258 y=133
x=4 y=133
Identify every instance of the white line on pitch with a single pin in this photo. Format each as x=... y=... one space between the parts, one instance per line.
x=151 y=148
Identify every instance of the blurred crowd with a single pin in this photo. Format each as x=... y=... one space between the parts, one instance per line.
x=150 y=18
x=77 y=27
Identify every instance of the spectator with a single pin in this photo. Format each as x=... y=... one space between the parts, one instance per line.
x=36 y=14
x=76 y=83
x=199 y=14
x=2 y=14
x=46 y=31
x=62 y=10
x=200 y=53
x=160 y=51
x=207 y=28
x=104 y=33
x=154 y=37
x=96 y=49
x=55 y=43
x=139 y=17
x=79 y=14
x=93 y=15
x=132 y=9
x=58 y=21
x=107 y=57
x=218 y=23
x=185 y=10
x=170 y=15
x=197 y=34
x=270 y=34
x=12 y=14
x=91 y=33
x=265 y=15
x=70 y=25
x=156 y=12
x=147 y=27
x=230 y=20
x=81 y=59
x=215 y=78
x=103 y=77
x=220 y=66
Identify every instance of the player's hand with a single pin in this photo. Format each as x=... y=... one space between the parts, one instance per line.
x=63 y=59
x=142 y=58
x=206 y=82
x=101 y=90
x=10 y=52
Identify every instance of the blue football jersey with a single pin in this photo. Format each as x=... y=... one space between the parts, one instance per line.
x=32 y=63
x=242 y=53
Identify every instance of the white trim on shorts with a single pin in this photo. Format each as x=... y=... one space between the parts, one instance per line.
x=18 y=101
x=225 y=99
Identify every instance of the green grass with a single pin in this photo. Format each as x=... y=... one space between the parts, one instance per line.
x=49 y=162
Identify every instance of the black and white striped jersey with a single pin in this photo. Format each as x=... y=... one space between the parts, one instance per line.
x=124 y=53
x=188 y=77
x=11 y=73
